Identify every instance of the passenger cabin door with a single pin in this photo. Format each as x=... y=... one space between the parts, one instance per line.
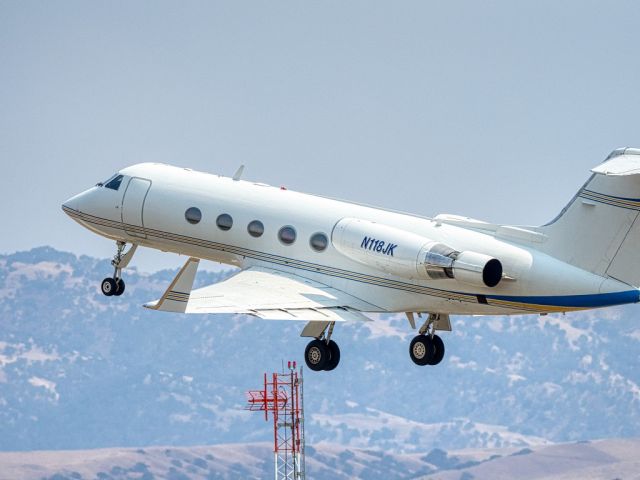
x=133 y=206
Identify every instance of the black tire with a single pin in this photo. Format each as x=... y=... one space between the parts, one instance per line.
x=421 y=350
x=108 y=287
x=316 y=355
x=120 y=287
x=334 y=356
x=438 y=346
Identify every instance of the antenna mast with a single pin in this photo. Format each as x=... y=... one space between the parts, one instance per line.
x=282 y=395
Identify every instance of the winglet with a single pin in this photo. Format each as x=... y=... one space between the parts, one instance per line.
x=176 y=298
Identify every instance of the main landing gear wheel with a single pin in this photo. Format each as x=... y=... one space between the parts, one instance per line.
x=421 y=350
x=438 y=346
x=334 y=356
x=426 y=350
x=322 y=353
x=316 y=355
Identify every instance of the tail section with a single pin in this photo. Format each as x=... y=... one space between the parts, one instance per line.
x=599 y=230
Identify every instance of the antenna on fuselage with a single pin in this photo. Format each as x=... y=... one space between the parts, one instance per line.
x=238 y=174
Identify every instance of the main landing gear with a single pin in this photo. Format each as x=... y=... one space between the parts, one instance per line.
x=115 y=285
x=322 y=353
x=427 y=348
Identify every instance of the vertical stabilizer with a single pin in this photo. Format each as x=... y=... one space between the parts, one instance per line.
x=599 y=230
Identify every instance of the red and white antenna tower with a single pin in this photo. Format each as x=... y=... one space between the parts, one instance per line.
x=282 y=396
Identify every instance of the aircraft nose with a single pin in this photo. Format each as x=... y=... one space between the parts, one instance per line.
x=72 y=204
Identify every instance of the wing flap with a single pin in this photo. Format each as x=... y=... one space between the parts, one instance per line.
x=323 y=314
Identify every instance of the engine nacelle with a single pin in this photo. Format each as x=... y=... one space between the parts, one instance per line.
x=408 y=255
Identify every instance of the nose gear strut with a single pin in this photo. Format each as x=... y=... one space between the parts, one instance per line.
x=115 y=285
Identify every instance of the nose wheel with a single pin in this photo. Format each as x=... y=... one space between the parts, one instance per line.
x=114 y=286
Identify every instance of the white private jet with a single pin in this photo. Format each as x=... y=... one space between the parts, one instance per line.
x=320 y=260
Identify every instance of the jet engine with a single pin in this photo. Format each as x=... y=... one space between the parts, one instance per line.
x=399 y=252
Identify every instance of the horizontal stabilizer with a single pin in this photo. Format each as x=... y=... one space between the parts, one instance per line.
x=621 y=162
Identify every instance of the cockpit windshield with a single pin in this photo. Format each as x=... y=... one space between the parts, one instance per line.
x=113 y=182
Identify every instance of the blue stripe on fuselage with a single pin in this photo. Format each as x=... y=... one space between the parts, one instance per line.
x=579 y=301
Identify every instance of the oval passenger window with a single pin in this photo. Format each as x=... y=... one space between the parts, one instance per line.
x=319 y=241
x=224 y=222
x=287 y=235
x=193 y=215
x=255 y=228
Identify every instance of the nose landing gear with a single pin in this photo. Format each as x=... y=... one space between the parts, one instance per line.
x=111 y=286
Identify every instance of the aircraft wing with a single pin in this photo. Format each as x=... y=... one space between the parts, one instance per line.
x=262 y=292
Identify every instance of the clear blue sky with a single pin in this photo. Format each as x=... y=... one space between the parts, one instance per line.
x=491 y=109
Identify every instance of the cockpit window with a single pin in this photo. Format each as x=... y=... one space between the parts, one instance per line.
x=101 y=184
x=114 y=183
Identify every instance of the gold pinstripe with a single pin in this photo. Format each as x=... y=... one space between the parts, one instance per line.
x=610 y=200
